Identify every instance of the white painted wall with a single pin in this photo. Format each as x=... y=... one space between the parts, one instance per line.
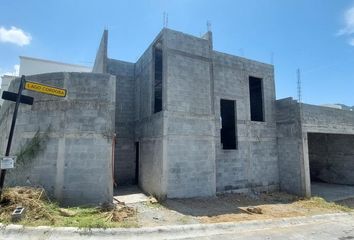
x=5 y=83
x=31 y=66
x=332 y=106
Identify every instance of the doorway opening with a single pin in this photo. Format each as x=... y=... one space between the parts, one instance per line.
x=137 y=156
x=331 y=162
x=131 y=193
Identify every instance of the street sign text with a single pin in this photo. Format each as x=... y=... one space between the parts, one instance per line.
x=38 y=87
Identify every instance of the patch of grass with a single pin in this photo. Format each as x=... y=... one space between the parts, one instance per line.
x=154 y=205
x=42 y=212
x=33 y=147
x=183 y=220
x=87 y=217
x=320 y=203
x=152 y=202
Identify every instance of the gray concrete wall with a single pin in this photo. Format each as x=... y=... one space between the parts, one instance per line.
x=149 y=128
x=100 y=65
x=294 y=123
x=254 y=164
x=124 y=167
x=331 y=158
x=318 y=119
x=327 y=120
x=290 y=147
x=180 y=150
x=75 y=165
x=189 y=122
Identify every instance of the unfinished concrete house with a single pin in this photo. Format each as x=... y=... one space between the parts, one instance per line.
x=191 y=121
x=188 y=122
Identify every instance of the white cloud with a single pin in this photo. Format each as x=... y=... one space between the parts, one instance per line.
x=348 y=29
x=15 y=35
x=351 y=42
x=349 y=22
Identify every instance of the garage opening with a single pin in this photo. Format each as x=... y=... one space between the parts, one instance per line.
x=331 y=161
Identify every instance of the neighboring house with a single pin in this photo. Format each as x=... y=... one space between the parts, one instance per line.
x=332 y=106
x=189 y=121
x=32 y=66
x=5 y=83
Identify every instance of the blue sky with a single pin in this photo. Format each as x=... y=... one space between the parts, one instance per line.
x=316 y=36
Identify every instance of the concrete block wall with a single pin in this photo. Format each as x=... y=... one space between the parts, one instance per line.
x=292 y=169
x=100 y=65
x=327 y=120
x=75 y=166
x=124 y=167
x=180 y=150
x=295 y=149
x=188 y=123
x=149 y=134
x=149 y=128
x=254 y=164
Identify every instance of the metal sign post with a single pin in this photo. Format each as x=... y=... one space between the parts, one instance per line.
x=10 y=96
x=13 y=123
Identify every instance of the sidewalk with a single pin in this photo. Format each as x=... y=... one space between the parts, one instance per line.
x=193 y=231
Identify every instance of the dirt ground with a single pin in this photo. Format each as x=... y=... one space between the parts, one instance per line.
x=347 y=202
x=233 y=207
x=148 y=212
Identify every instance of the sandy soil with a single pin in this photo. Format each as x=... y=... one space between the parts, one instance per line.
x=347 y=202
x=230 y=207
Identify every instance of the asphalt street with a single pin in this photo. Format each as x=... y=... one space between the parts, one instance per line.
x=322 y=227
x=341 y=229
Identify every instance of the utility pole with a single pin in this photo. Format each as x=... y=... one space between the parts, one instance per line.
x=298 y=74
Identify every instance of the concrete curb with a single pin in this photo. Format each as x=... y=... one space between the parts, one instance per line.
x=162 y=232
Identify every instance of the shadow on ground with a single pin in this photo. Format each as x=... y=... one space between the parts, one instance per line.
x=225 y=207
x=225 y=203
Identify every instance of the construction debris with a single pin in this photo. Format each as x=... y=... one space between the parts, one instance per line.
x=32 y=199
x=66 y=212
x=119 y=212
x=152 y=200
x=31 y=206
x=251 y=210
x=256 y=210
x=17 y=214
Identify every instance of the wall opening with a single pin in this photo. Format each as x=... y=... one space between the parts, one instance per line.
x=331 y=162
x=228 y=124
x=256 y=99
x=157 y=78
x=331 y=158
x=137 y=156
